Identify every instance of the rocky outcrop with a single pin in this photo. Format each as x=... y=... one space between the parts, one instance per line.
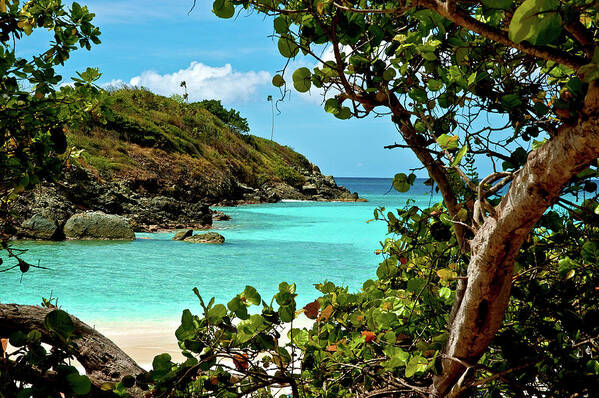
x=220 y=216
x=158 y=204
x=40 y=227
x=98 y=225
x=181 y=235
x=208 y=237
x=80 y=190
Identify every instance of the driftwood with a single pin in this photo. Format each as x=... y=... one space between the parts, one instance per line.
x=102 y=360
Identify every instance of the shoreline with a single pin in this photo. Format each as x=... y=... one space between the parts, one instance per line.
x=143 y=340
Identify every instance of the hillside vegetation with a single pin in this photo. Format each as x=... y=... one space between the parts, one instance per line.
x=158 y=141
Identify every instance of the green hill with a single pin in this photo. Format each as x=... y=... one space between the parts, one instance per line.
x=150 y=138
x=159 y=161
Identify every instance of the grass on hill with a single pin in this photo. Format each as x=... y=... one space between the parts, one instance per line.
x=148 y=136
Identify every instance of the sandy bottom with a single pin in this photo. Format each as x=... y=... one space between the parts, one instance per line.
x=142 y=341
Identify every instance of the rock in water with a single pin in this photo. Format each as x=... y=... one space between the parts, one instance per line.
x=98 y=225
x=181 y=235
x=209 y=237
x=39 y=227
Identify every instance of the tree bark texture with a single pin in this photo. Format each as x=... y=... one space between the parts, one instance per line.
x=496 y=244
x=102 y=360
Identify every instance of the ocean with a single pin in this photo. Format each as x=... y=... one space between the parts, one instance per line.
x=152 y=277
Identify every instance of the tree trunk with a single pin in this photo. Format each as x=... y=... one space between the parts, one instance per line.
x=496 y=244
x=102 y=360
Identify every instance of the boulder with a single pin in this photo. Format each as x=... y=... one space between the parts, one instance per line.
x=39 y=227
x=98 y=225
x=330 y=181
x=220 y=216
x=181 y=235
x=208 y=237
x=310 y=189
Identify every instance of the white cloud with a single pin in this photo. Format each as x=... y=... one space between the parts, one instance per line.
x=205 y=82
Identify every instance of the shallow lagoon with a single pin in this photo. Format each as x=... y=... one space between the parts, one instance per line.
x=152 y=277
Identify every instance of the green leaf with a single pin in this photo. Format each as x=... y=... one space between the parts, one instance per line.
x=186 y=330
x=418 y=94
x=223 y=9
x=301 y=79
x=237 y=306
x=34 y=336
x=566 y=265
x=590 y=251
x=536 y=21
x=434 y=85
x=458 y=157
x=402 y=182
x=281 y=24
x=286 y=313
x=446 y=274
x=216 y=313
x=389 y=74
x=18 y=339
x=498 y=4
x=511 y=101
x=79 y=384
x=415 y=365
x=397 y=357
x=288 y=47
x=251 y=295
x=344 y=113
x=161 y=364
x=593 y=366
x=388 y=268
x=332 y=106
x=278 y=81
x=448 y=141
x=59 y=322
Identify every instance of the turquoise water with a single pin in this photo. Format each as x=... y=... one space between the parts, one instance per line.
x=152 y=277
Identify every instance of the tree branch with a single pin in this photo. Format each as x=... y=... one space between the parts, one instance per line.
x=102 y=360
x=462 y=18
x=534 y=188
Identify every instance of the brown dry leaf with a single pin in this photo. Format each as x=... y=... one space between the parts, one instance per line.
x=428 y=353
x=332 y=348
x=326 y=313
x=401 y=337
x=311 y=309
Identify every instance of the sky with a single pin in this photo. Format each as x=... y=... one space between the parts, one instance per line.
x=158 y=44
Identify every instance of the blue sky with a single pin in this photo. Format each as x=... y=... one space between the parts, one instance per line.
x=157 y=44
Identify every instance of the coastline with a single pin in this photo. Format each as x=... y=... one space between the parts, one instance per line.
x=143 y=340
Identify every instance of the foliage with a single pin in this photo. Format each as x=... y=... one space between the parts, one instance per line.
x=33 y=114
x=34 y=117
x=198 y=146
x=462 y=81
x=231 y=117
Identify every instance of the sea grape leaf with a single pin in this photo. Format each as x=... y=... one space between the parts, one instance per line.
x=216 y=313
x=287 y=46
x=79 y=384
x=536 y=21
x=447 y=141
x=186 y=330
x=458 y=157
x=223 y=9
x=278 y=80
x=251 y=295
x=59 y=322
x=415 y=365
x=402 y=182
x=301 y=79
